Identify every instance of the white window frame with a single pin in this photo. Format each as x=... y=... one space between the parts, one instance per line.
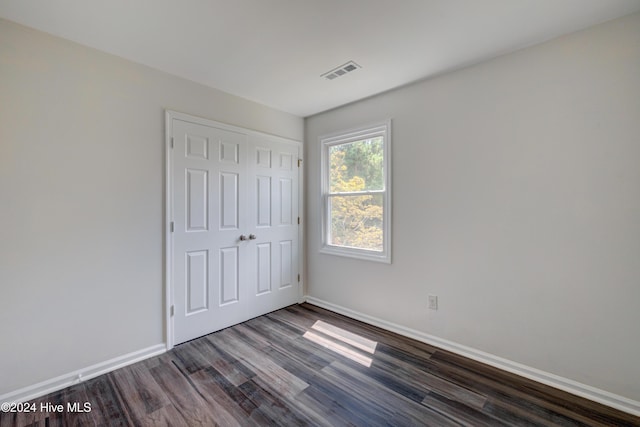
x=371 y=131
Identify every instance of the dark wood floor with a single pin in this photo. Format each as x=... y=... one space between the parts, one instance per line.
x=298 y=366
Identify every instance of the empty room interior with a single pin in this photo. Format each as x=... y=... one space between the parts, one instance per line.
x=281 y=212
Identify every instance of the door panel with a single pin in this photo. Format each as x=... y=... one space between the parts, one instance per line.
x=263 y=266
x=263 y=201
x=197 y=147
x=227 y=184
x=229 y=272
x=285 y=201
x=285 y=263
x=286 y=161
x=229 y=201
x=229 y=151
x=197 y=281
x=197 y=182
x=263 y=157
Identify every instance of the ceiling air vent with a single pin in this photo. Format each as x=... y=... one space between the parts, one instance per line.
x=341 y=70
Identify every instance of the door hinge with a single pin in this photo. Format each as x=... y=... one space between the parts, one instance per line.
x=172 y=311
x=298 y=278
x=298 y=220
x=299 y=162
x=171 y=226
x=171 y=142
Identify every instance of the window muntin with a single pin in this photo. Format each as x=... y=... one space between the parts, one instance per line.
x=356 y=193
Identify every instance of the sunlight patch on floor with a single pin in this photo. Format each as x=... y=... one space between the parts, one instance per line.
x=346 y=337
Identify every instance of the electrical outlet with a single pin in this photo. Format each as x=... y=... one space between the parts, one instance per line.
x=433 y=302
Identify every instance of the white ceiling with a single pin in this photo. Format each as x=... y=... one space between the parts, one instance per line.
x=274 y=51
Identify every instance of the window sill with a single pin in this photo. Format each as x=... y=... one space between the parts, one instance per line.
x=356 y=253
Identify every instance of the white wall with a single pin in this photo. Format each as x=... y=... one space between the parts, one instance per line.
x=516 y=201
x=82 y=200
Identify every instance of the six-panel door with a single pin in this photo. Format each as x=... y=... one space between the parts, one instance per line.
x=235 y=239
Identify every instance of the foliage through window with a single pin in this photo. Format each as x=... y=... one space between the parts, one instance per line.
x=356 y=193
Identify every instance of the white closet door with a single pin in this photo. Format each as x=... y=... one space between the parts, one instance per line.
x=234 y=245
x=273 y=221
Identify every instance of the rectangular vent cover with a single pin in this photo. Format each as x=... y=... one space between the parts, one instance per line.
x=341 y=70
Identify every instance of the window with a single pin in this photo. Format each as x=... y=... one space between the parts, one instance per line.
x=356 y=191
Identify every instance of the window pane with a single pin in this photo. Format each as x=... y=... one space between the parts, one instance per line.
x=356 y=166
x=356 y=221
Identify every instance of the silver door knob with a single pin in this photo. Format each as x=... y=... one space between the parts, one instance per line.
x=252 y=237
x=243 y=237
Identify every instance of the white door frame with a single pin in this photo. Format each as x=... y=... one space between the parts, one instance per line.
x=168 y=196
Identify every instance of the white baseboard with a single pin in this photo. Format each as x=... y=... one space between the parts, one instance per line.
x=75 y=377
x=588 y=392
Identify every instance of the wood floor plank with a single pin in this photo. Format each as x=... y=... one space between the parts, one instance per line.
x=507 y=396
x=282 y=380
x=461 y=412
x=235 y=394
x=333 y=412
x=349 y=377
x=508 y=391
x=9 y=419
x=189 y=404
x=277 y=407
x=145 y=399
x=167 y=416
x=414 y=370
x=224 y=407
x=231 y=368
x=192 y=361
x=105 y=402
x=355 y=406
x=73 y=399
x=304 y=365
x=272 y=327
x=455 y=392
